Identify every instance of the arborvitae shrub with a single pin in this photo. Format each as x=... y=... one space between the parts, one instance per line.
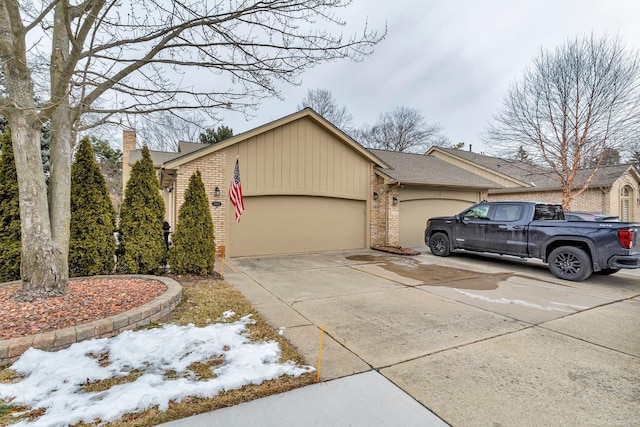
x=93 y=219
x=194 y=247
x=10 y=237
x=141 y=238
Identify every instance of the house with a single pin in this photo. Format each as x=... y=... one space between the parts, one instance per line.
x=614 y=190
x=308 y=186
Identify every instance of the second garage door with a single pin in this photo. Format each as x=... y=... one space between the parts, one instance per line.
x=414 y=215
x=291 y=224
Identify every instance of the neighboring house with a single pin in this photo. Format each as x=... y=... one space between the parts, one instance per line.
x=425 y=187
x=614 y=190
x=310 y=187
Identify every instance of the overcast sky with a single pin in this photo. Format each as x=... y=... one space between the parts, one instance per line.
x=451 y=59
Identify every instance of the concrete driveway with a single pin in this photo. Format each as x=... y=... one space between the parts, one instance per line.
x=476 y=340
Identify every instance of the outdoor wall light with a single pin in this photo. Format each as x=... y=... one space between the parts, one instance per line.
x=169 y=189
x=217 y=192
x=375 y=196
x=395 y=200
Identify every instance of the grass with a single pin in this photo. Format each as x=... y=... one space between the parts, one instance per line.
x=204 y=301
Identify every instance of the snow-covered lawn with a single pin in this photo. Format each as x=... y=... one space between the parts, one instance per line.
x=54 y=380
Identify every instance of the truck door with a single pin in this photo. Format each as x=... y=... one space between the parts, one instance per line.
x=470 y=232
x=506 y=233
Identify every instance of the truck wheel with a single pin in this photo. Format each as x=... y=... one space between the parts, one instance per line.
x=439 y=244
x=570 y=263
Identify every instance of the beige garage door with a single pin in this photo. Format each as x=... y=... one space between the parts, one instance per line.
x=414 y=215
x=290 y=224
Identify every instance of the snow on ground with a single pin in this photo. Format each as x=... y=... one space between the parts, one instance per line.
x=53 y=380
x=516 y=302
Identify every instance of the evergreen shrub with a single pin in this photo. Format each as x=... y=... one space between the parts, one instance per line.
x=194 y=247
x=93 y=219
x=10 y=234
x=141 y=237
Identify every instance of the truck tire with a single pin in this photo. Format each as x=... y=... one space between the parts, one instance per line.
x=570 y=263
x=439 y=244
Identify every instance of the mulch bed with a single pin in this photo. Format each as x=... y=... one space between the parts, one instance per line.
x=396 y=250
x=85 y=301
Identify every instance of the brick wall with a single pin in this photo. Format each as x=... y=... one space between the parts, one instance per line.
x=604 y=200
x=377 y=215
x=384 y=215
x=592 y=200
x=212 y=168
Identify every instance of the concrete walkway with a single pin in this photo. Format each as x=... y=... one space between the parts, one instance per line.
x=473 y=340
x=362 y=400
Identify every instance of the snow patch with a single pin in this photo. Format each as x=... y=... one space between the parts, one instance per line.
x=511 y=301
x=53 y=380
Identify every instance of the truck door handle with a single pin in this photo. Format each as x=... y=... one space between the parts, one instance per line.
x=517 y=227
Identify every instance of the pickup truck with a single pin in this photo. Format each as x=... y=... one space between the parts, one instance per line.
x=572 y=250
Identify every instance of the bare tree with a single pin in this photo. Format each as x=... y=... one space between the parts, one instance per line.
x=610 y=157
x=402 y=129
x=571 y=108
x=163 y=130
x=88 y=62
x=634 y=154
x=323 y=103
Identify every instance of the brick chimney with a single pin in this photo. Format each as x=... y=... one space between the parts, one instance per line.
x=128 y=144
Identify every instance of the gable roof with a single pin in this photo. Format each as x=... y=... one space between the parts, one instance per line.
x=535 y=176
x=605 y=176
x=183 y=158
x=160 y=157
x=411 y=168
x=516 y=171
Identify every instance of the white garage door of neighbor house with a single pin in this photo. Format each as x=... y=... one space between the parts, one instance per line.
x=415 y=213
x=291 y=224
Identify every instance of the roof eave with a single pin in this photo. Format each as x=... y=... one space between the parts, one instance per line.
x=446 y=185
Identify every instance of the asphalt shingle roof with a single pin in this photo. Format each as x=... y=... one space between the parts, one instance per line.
x=160 y=157
x=413 y=168
x=512 y=168
x=539 y=176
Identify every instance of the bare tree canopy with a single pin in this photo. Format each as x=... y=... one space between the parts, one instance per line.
x=323 y=103
x=88 y=62
x=163 y=130
x=571 y=108
x=402 y=129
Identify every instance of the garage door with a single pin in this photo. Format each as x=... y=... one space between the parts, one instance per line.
x=290 y=224
x=414 y=215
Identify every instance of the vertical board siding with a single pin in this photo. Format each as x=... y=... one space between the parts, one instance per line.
x=301 y=158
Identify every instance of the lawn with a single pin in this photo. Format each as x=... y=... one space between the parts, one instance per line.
x=205 y=302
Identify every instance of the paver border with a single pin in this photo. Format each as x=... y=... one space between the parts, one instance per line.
x=153 y=311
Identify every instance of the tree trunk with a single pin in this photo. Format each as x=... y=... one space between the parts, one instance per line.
x=43 y=268
x=60 y=181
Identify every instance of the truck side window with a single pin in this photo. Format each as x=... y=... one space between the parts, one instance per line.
x=478 y=212
x=507 y=213
x=548 y=212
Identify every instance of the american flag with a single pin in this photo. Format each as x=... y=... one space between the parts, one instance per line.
x=235 y=192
